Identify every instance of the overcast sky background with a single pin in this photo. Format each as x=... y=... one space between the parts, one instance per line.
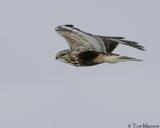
x=36 y=91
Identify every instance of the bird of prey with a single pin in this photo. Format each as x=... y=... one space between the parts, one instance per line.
x=88 y=49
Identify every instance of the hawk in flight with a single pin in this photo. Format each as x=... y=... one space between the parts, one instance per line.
x=87 y=49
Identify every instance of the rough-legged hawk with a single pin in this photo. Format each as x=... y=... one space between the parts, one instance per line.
x=87 y=49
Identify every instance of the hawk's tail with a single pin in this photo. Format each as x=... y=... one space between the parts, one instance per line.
x=126 y=58
x=115 y=58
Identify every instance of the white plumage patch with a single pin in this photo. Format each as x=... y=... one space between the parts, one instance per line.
x=112 y=59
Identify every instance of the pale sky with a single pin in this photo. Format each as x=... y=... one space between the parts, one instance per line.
x=36 y=91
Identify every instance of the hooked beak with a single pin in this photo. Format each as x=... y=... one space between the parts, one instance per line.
x=57 y=57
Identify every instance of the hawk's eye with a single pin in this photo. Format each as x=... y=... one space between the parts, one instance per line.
x=69 y=25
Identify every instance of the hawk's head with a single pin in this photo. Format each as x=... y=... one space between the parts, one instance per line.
x=62 y=55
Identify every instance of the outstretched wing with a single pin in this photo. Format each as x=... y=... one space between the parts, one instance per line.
x=112 y=42
x=79 y=40
x=85 y=42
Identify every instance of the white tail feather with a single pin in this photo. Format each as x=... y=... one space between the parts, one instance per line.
x=116 y=59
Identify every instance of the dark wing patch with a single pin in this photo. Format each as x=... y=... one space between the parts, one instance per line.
x=109 y=37
x=69 y=25
x=109 y=44
x=86 y=58
x=116 y=37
